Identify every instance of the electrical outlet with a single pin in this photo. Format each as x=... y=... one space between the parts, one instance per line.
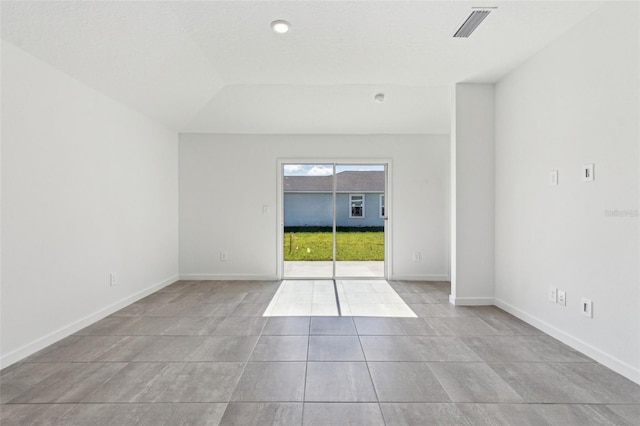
x=224 y=256
x=416 y=256
x=562 y=297
x=113 y=279
x=587 y=308
x=553 y=294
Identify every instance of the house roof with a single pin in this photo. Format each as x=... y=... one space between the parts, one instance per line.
x=348 y=181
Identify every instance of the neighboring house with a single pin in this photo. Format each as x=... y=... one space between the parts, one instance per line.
x=308 y=200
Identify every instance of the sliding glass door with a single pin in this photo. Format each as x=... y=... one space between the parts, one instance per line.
x=333 y=220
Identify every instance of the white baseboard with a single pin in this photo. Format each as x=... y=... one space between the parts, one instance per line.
x=419 y=278
x=471 y=301
x=41 y=343
x=620 y=367
x=222 y=277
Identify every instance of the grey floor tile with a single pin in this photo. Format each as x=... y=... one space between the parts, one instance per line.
x=130 y=384
x=578 y=414
x=221 y=309
x=206 y=331
x=160 y=297
x=281 y=348
x=105 y=414
x=522 y=349
x=440 y=310
x=419 y=298
x=504 y=322
x=192 y=326
x=287 y=326
x=420 y=414
x=604 y=384
x=196 y=382
x=193 y=382
x=174 y=382
x=249 y=310
x=406 y=382
x=333 y=326
x=225 y=298
x=378 y=326
x=137 y=310
x=183 y=415
x=544 y=383
x=169 y=348
x=417 y=326
x=77 y=348
x=10 y=369
x=183 y=310
x=443 y=348
x=127 y=349
x=335 y=348
x=192 y=298
x=501 y=348
x=33 y=414
x=72 y=383
x=389 y=348
x=338 y=414
x=621 y=414
x=148 y=326
x=339 y=382
x=240 y=326
x=258 y=297
x=17 y=380
x=109 y=326
x=462 y=326
x=262 y=413
x=473 y=382
x=271 y=382
x=504 y=415
x=225 y=348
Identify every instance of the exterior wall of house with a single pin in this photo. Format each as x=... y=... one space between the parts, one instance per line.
x=315 y=209
x=305 y=209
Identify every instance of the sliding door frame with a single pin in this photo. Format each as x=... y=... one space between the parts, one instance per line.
x=388 y=211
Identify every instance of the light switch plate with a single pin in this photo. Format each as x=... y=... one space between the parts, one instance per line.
x=553 y=294
x=588 y=172
x=553 y=177
x=587 y=308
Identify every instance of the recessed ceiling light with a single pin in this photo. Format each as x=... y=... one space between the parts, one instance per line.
x=379 y=97
x=280 y=26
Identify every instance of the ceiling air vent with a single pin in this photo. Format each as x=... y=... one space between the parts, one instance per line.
x=472 y=22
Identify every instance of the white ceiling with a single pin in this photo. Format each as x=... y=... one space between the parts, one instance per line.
x=216 y=66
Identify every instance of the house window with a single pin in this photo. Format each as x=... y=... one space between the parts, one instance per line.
x=356 y=202
x=382 y=206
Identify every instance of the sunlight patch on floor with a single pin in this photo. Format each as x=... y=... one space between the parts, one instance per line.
x=361 y=298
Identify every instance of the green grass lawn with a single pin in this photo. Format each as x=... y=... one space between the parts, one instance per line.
x=318 y=246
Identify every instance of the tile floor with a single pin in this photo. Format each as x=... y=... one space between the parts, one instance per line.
x=363 y=298
x=201 y=353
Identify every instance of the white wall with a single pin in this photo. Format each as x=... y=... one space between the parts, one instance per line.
x=226 y=179
x=472 y=195
x=88 y=187
x=575 y=102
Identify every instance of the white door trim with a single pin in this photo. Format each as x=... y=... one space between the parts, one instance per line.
x=388 y=226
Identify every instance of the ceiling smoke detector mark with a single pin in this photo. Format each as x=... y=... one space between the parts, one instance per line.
x=379 y=97
x=280 y=27
x=469 y=26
